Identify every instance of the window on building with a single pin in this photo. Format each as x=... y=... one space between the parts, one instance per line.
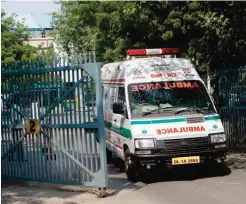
x=43 y=34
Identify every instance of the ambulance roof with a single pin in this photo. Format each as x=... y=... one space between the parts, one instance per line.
x=149 y=69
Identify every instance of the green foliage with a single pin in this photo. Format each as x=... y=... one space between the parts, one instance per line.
x=13 y=35
x=211 y=32
x=46 y=52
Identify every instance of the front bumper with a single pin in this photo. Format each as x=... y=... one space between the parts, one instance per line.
x=159 y=156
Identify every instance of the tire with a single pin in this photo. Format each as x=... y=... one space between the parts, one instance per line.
x=223 y=158
x=130 y=167
x=213 y=165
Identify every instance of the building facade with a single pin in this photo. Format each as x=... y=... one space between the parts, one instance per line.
x=40 y=28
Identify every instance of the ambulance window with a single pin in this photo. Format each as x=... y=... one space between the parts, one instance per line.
x=112 y=97
x=121 y=94
x=105 y=97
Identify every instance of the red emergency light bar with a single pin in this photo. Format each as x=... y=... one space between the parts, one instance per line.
x=159 y=51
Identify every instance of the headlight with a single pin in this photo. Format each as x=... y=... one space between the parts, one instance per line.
x=144 y=143
x=218 y=138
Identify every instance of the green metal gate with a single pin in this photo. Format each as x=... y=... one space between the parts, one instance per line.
x=232 y=94
x=70 y=147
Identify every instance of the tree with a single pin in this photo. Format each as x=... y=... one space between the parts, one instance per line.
x=14 y=34
x=210 y=32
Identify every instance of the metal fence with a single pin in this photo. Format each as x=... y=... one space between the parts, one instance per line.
x=61 y=97
x=232 y=91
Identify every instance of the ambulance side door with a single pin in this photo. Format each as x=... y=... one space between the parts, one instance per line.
x=112 y=133
x=106 y=111
x=122 y=124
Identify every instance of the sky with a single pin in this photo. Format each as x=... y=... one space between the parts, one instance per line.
x=31 y=6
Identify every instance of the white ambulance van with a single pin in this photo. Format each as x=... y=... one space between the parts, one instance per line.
x=157 y=111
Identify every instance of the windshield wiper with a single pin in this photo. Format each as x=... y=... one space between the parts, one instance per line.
x=159 y=109
x=192 y=109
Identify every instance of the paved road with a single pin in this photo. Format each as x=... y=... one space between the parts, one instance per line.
x=214 y=185
x=226 y=185
x=226 y=190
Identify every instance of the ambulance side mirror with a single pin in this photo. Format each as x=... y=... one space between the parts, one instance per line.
x=118 y=107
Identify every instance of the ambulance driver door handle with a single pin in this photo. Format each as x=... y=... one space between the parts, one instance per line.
x=115 y=120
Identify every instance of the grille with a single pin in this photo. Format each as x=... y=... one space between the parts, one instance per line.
x=195 y=120
x=183 y=145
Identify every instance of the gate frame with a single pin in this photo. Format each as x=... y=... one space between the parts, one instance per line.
x=100 y=178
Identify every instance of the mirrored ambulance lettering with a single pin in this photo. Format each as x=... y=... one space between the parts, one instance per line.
x=179 y=130
x=165 y=85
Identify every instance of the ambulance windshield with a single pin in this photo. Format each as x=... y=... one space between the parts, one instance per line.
x=174 y=97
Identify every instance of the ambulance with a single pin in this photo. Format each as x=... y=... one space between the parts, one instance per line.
x=158 y=112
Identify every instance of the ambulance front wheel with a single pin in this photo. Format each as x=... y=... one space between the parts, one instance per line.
x=130 y=167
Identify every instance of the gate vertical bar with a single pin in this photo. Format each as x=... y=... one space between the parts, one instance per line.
x=104 y=182
x=4 y=131
x=53 y=121
x=33 y=113
x=56 y=111
x=36 y=107
x=46 y=120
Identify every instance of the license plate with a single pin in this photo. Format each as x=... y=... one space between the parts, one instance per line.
x=185 y=160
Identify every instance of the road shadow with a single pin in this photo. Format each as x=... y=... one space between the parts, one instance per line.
x=236 y=161
x=180 y=173
x=118 y=182
x=184 y=173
